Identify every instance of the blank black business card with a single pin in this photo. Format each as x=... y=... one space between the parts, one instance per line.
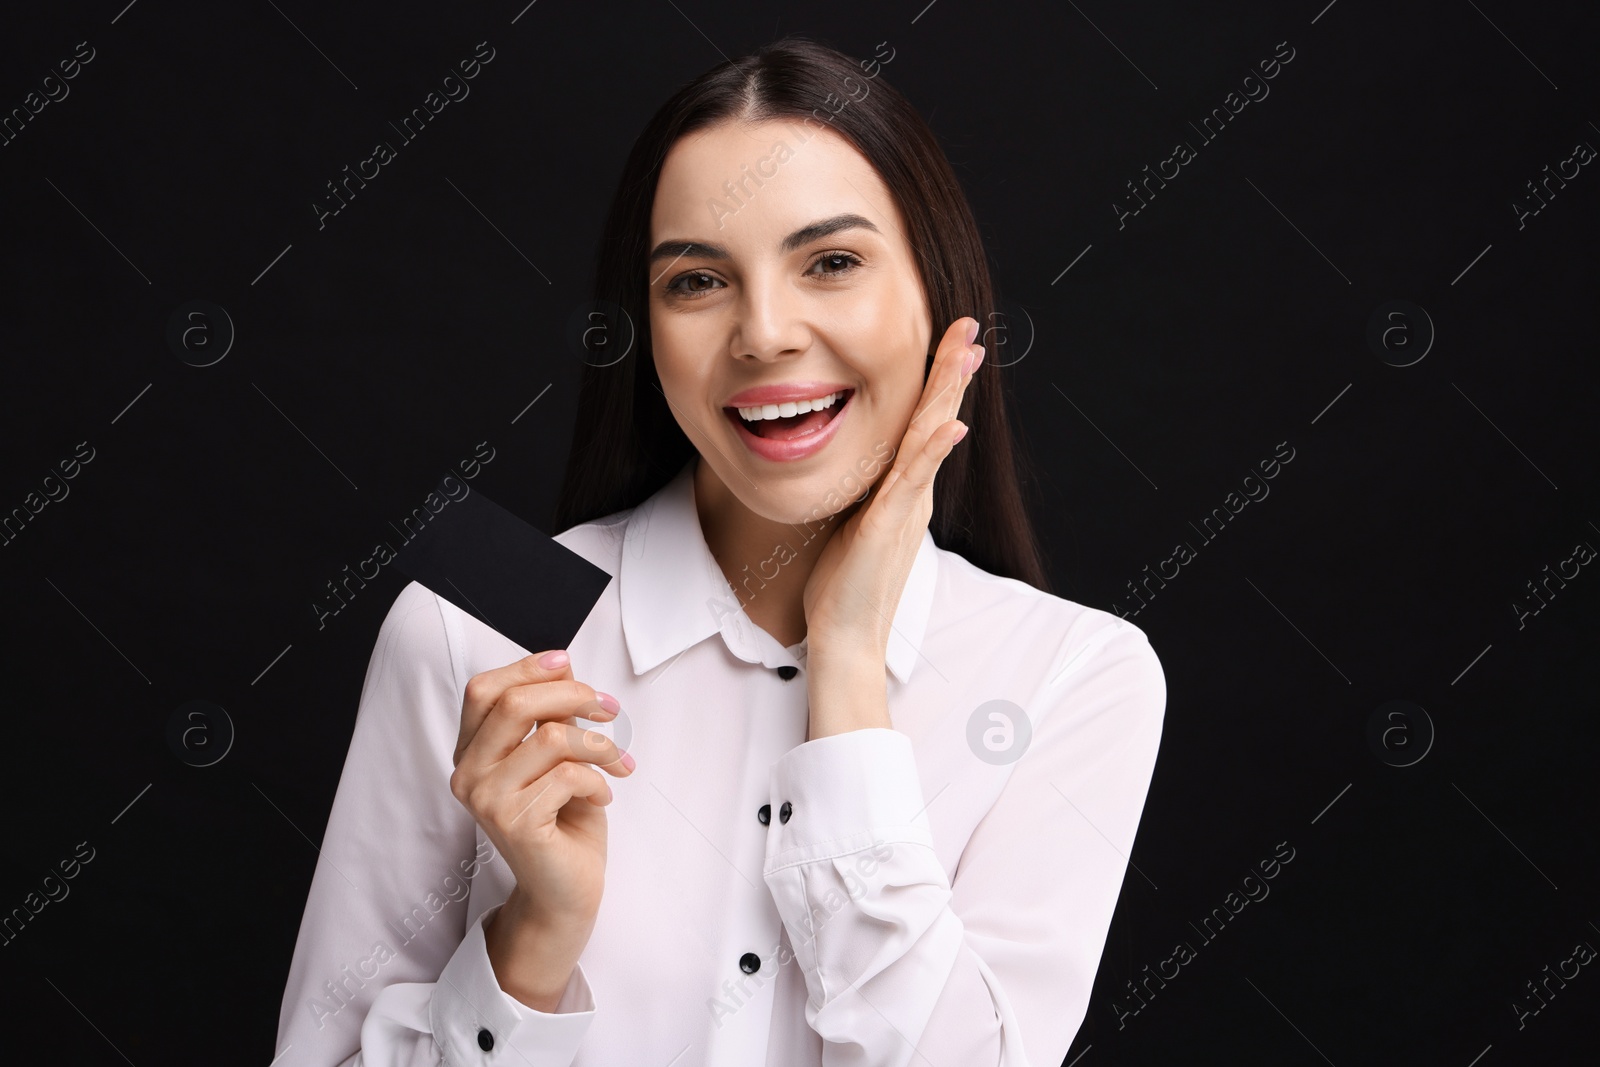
x=502 y=570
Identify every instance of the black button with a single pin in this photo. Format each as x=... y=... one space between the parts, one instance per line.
x=749 y=963
x=786 y=672
x=485 y=1040
x=764 y=813
x=783 y=812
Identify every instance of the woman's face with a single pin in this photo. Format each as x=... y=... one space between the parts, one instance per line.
x=779 y=262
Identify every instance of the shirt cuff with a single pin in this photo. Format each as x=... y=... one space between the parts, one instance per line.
x=469 y=1010
x=844 y=793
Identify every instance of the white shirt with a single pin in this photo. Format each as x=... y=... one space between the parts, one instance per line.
x=937 y=893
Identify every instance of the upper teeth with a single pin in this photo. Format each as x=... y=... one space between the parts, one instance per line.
x=793 y=407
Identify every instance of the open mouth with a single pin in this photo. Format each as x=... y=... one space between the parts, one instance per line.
x=793 y=420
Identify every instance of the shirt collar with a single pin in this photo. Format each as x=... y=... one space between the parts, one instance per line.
x=674 y=594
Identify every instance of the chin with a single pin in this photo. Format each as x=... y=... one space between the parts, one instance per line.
x=829 y=490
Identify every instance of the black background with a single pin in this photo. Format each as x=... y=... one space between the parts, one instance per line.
x=1179 y=349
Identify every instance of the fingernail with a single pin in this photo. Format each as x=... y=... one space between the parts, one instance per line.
x=608 y=702
x=974 y=357
x=551 y=660
x=627 y=760
x=972 y=331
x=959 y=435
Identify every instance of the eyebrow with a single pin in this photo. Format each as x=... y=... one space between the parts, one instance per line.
x=675 y=248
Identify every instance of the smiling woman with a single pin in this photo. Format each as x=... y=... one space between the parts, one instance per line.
x=848 y=844
x=906 y=220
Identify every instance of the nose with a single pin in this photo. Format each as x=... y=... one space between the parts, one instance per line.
x=770 y=319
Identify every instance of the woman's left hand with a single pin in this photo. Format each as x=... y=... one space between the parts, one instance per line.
x=854 y=589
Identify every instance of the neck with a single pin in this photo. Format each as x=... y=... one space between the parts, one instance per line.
x=767 y=563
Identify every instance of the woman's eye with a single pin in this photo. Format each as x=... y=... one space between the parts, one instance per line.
x=689 y=285
x=679 y=287
x=838 y=262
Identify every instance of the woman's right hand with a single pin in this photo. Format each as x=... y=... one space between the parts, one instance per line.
x=541 y=800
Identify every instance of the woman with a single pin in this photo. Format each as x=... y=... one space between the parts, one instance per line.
x=885 y=783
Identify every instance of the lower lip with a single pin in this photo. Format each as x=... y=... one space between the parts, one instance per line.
x=785 y=451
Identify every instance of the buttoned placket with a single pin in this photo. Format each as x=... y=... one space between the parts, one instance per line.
x=751 y=962
x=752 y=968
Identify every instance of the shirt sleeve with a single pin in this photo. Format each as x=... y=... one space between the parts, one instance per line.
x=903 y=965
x=387 y=971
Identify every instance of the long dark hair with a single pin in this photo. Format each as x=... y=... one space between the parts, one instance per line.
x=625 y=443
